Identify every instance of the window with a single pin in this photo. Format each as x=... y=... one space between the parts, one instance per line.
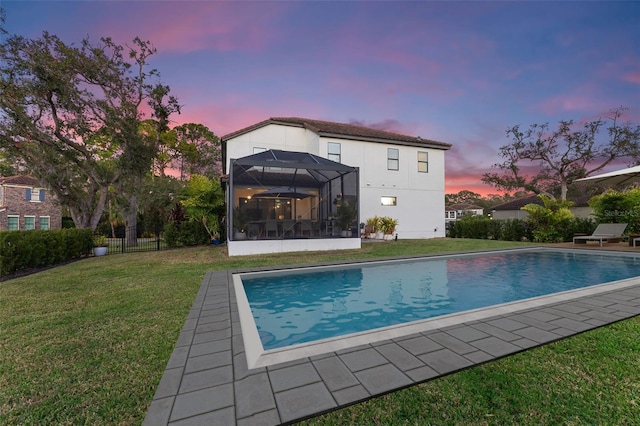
x=29 y=222
x=388 y=201
x=35 y=195
x=393 y=156
x=451 y=214
x=333 y=149
x=13 y=223
x=44 y=222
x=257 y=150
x=423 y=162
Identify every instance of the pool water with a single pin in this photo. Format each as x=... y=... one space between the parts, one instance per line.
x=307 y=305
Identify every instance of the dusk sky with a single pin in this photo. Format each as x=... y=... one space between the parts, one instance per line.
x=456 y=72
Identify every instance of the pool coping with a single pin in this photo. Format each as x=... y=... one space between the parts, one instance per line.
x=207 y=379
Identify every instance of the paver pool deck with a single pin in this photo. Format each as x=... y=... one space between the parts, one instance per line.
x=207 y=380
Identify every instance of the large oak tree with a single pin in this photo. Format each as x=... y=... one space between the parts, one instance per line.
x=73 y=114
x=558 y=157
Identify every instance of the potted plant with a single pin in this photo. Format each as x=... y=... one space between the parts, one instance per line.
x=346 y=216
x=388 y=226
x=373 y=226
x=100 y=245
x=240 y=222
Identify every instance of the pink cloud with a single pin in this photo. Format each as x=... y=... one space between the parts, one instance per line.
x=200 y=25
x=232 y=112
x=632 y=77
x=389 y=125
x=586 y=97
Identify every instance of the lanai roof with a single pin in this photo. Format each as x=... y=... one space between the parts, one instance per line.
x=343 y=131
x=310 y=170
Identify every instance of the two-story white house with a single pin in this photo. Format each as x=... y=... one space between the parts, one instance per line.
x=298 y=184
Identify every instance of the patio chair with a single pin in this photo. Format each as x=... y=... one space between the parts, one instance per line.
x=271 y=226
x=253 y=230
x=306 y=228
x=288 y=228
x=604 y=232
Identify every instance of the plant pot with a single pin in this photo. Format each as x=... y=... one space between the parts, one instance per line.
x=100 y=251
x=379 y=235
x=388 y=237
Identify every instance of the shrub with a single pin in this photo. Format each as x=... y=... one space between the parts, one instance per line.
x=20 y=250
x=189 y=233
x=550 y=221
x=515 y=230
x=373 y=224
x=618 y=207
x=388 y=225
x=471 y=227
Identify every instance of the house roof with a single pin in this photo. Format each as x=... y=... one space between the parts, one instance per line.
x=534 y=199
x=343 y=131
x=19 y=180
x=462 y=206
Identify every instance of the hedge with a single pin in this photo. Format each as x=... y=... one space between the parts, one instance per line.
x=187 y=233
x=482 y=227
x=22 y=250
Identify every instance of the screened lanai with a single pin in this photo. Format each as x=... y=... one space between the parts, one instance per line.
x=291 y=195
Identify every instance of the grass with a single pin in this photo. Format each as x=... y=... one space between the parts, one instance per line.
x=87 y=343
x=589 y=379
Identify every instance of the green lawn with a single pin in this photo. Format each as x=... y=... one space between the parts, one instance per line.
x=87 y=343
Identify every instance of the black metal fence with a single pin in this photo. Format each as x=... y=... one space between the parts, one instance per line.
x=129 y=242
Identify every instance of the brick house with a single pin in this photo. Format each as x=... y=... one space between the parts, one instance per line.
x=25 y=204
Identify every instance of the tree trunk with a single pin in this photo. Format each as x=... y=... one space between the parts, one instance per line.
x=563 y=190
x=131 y=221
x=87 y=217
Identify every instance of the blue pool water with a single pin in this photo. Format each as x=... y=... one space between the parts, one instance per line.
x=299 y=306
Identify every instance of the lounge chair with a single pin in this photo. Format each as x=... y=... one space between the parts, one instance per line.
x=604 y=231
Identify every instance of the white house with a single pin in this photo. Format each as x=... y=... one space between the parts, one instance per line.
x=457 y=211
x=290 y=179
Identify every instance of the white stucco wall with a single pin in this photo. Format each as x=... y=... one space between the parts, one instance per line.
x=285 y=138
x=419 y=196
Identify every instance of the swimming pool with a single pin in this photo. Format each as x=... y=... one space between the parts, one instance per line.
x=301 y=306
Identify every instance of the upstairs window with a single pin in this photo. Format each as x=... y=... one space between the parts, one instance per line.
x=35 y=195
x=423 y=162
x=333 y=151
x=393 y=159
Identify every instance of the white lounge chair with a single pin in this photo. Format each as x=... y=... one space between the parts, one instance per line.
x=604 y=231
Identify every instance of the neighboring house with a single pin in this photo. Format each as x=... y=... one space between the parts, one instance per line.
x=302 y=173
x=513 y=209
x=25 y=204
x=457 y=211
